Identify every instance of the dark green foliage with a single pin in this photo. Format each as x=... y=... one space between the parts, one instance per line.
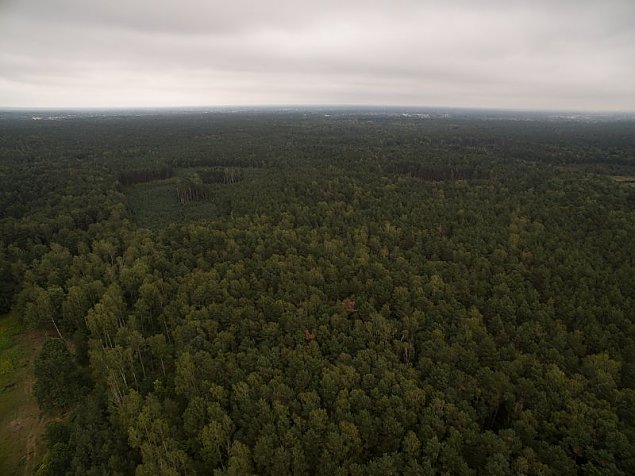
x=191 y=190
x=370 y=293
x=425 y=171
x=89 y=444
x=59 y=381
x=225 y=175
x=57 y=460
x=131 y=177
x=57 y=432
x=59 y=455
x=98 y=445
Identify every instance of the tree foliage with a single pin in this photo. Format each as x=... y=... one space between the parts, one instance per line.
x=59 y=380
x=369 y=294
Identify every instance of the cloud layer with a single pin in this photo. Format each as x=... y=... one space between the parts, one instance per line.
x=510 y=54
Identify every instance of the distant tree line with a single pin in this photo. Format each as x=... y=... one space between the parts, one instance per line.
x=425 y=171
x=233 y=161
x=135 y=176
x=227 y=175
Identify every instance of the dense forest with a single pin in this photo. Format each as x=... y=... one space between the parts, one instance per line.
x=325 y=294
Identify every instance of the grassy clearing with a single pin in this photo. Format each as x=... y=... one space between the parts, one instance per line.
x=21 y=424
x=11 y=355
x=155 y=204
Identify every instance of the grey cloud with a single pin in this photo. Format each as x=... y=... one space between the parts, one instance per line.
x=567 y=54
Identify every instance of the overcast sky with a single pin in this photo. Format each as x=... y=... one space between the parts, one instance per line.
x=540 y=54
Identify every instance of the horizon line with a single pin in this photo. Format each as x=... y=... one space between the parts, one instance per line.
x=318 y=107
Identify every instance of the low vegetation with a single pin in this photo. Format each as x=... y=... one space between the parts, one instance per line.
x=21 y=422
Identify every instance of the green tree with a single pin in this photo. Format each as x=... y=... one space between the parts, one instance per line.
x=59 y=380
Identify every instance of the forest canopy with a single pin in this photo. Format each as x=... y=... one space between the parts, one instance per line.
x=301 y=293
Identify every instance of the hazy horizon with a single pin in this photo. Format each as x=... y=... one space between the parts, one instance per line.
x=567 y=56
x=326 y=108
